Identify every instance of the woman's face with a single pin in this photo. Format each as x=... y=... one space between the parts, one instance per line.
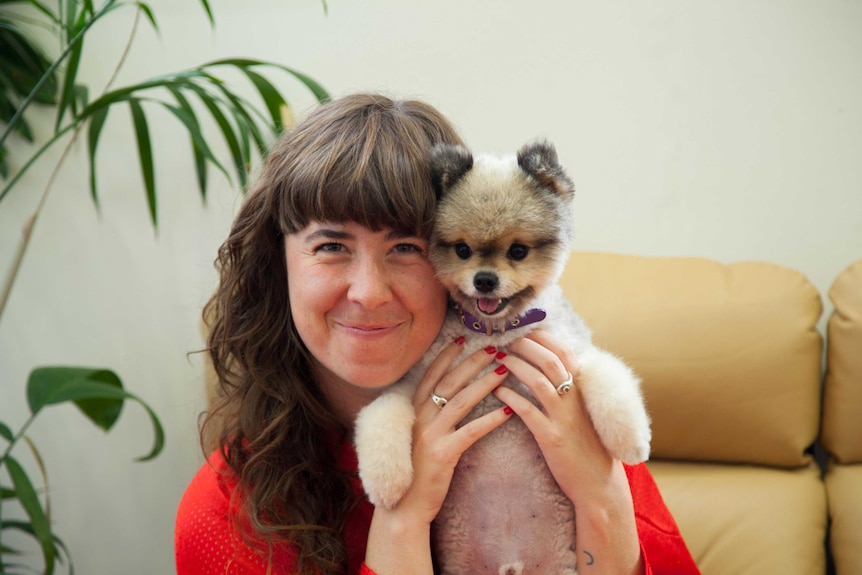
x=366 y=304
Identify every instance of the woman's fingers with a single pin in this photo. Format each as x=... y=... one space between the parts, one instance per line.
x=543 y=370
x=562 y=352
x=471 y=393
x=437 y=370
x=445 y=381
x=473 y=431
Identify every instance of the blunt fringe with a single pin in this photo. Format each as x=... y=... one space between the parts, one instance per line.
x=363 y=159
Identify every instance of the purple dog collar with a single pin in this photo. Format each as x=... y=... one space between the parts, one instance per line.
x=475 y=324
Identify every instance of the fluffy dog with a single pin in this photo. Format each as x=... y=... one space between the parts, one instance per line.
x=501 y=238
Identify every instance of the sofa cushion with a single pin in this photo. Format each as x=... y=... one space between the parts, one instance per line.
x=842 y=394
x=844 y=491
x=781 y=530
x=729 y=354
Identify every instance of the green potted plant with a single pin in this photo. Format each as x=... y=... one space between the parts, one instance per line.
x=33 y=80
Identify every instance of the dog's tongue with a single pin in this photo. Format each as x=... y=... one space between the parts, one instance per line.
x=488 y=305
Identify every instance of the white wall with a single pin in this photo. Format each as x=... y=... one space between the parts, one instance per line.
x=731 y=130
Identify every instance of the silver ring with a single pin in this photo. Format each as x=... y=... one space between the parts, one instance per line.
x=566 y=386
x=438 y=400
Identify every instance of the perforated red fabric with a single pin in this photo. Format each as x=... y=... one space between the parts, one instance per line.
x=207 y=541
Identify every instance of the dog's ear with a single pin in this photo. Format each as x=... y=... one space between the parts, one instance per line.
x=448 y=163
x=539 y=161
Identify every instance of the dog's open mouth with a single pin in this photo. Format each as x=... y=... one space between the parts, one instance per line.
x=491 y=306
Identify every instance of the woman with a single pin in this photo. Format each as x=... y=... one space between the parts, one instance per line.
x=327 y=297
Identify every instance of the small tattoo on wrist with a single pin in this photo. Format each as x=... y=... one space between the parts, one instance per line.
x=590 y=559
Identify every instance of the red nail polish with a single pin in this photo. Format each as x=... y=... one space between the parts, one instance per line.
x=501 y=354
x=490 y=349
x=460 y=339
x=508 y=410
x=501 y=370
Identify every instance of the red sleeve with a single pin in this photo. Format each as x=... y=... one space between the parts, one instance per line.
x=662 y=546
x=206 y=539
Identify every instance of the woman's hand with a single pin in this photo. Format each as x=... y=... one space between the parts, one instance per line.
x=595 y=482
x=562 y=427
x=399 y=540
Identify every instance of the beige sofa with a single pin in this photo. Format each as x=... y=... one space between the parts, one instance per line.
x=842 y=420
x=731 y=362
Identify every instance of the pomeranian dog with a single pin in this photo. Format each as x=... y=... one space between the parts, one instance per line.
x=501 y=238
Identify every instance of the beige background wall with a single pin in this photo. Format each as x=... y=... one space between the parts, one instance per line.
x=729 y=130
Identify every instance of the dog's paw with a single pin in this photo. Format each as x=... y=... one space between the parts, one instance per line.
x=631 y=446
x=385 y=485
x=383 y=440
x=613 y=398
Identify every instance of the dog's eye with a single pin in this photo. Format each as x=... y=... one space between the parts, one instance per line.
x=463 y=251
x=518 y=252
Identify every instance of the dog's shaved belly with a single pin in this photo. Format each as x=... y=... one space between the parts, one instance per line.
x=504 y=513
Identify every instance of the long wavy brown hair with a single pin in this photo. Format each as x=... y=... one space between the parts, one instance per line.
x=361 y=158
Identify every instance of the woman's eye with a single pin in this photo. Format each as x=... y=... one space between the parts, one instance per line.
x=330 y=247
x=518 y=252
x=409 y=249
x=463 y=251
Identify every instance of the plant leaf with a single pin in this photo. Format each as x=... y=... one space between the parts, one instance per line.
x=226 y=128
x=40 y=463
x=145 y=153
x=30 y=502
x=209 y=12
x=200 y=148
x=272 y=98
x=67 y=93
x=124 y=94
x=39 y=6
x=200 y=159
x=84 y=386
x=24 y=64
x=59 y=384
x=94 y=130
x=8 y=109
x=319 y=91
x=5 y=432
x=28 y=528
x=81 y=97
x=148 y=12
x=244 y=121
x=69 y=18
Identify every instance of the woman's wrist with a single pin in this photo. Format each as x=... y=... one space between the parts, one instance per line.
x=399 y=543
x=607 y=539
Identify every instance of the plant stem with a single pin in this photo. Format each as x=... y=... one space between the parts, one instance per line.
x=17 y=437
x=29 y=224
x=27 y=231
x=29 y=99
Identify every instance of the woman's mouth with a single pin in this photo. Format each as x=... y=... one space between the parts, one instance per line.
x=370 y=329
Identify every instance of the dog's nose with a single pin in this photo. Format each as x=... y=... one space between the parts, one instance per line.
x=485 y=282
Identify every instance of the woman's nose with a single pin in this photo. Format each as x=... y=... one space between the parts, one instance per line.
x=369 y=284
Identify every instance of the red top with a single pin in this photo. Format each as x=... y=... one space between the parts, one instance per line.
x=207 y=541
